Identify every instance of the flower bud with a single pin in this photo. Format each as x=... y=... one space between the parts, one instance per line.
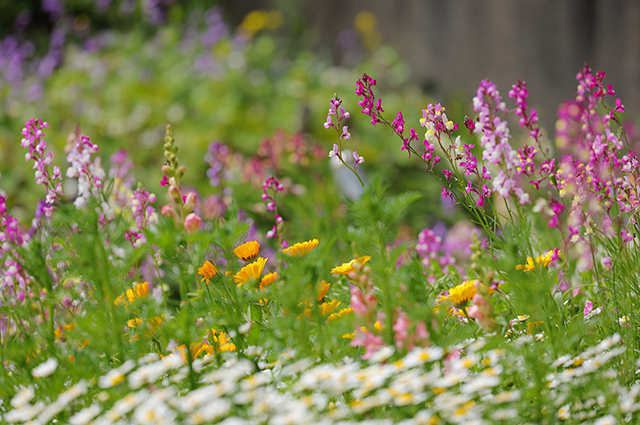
x=167 y=211
x=192 y=222
x=175 y=193
x=190 y=201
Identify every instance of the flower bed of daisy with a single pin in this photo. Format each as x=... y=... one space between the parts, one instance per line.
x=314 y=303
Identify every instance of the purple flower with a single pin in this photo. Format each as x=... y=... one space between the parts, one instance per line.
x=398 y=123
x=33 y=140
x=358 y=159
x=335 y=152
x=368 y=104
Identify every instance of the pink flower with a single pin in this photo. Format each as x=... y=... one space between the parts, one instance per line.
x=357 y=159
x=192 y=222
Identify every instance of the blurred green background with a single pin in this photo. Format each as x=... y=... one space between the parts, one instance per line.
x=122 y=70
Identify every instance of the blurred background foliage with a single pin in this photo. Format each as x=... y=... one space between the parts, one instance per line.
x=250 y=79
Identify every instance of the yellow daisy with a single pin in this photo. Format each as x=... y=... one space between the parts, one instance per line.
x=461 y=294
x=250 y=271
x=343 y=312
x=268 y=280
x=140 y=290
x=347 y=268
x=327 y=308
x=207 y=271
x=301 y=248
x=247 y=251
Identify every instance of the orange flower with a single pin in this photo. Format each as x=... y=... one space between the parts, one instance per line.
x=250 y=271
x=208 y=271
x=268 y=280
x=323 y=287
x=247 y=251
x=301 y=248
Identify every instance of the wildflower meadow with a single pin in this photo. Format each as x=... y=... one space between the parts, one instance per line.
x=287 y=282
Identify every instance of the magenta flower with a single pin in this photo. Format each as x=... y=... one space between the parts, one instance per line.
x=358 y=159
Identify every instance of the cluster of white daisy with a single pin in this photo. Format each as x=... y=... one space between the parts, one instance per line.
x=465 y=384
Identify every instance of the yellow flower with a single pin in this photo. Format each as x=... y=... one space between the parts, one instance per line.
x=250 y=271
x=460 y=295
x=268 y=280
x=84 y=344
x=207 y=271
x=544 y=260
x=301 y=248
x=247 y=251
x=347 y=268
x=150 y=328
x=323 y=287
x=59 y=332
x=327 y=308
x=141 y=290
x=530 y=266
x=343 y=312
x=134 y=323
x=224 y=342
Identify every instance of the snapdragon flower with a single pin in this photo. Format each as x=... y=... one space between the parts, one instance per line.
x=144 y=215
x=33 y=139
x=89 y=172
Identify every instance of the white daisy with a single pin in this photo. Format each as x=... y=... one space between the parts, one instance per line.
x=45 y=369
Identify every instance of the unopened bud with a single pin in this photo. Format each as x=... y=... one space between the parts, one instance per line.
x=181 y=170
x=167 y=211
x=352 y=275
x=166 y=169
x=192 y=222
x=175 y=193
x=190 y=202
